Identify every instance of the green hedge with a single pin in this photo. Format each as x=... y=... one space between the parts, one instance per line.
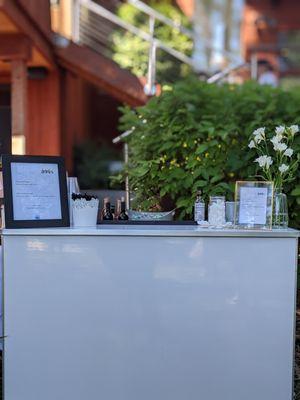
x=195 y=135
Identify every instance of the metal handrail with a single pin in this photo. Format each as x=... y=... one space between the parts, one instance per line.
x=160 y=17
x=154 y=43
x=150 y=87
x=173 y=24
x=110 y=16
x=225 y=72
x=123 y=135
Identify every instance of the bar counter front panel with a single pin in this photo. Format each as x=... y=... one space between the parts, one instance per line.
x=148 y=313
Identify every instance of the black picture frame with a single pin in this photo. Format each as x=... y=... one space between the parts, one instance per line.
x=10 y=222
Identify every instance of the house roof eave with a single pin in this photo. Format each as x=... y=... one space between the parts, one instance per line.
x=27 y=26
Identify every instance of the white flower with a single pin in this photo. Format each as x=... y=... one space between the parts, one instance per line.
x=259 y=132
x=261 y=161
x=294 y=129
x=259 y=135
x=144 y=121
x=288 y=152
x=264 y=161
x=280 y=130
x=283 y=168
x=276 y=139
x=269 y=162
x=258 y=138
x=251 y=145
x=280 y=146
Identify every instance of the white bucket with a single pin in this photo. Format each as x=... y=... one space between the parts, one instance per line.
x=85 y=212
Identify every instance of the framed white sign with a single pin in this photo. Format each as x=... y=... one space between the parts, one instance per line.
x=35 y=191
x=254 y=204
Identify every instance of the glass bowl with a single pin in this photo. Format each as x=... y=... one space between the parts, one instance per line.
x=150 y=215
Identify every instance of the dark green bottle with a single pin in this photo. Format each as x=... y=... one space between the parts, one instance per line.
x=123 y=215
x=106 y=212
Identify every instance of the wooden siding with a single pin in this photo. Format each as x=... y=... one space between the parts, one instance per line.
x=43 y=133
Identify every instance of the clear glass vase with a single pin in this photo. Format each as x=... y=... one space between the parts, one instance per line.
x=280 y=210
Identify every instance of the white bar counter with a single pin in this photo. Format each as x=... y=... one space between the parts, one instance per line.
x=149 y=313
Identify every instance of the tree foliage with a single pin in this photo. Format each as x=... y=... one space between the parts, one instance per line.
x=131 y=52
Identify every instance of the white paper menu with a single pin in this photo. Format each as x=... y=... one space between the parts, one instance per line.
x=253 y=205
x=35 y=191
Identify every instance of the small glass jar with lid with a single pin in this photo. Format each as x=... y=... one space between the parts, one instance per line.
x=216 y=211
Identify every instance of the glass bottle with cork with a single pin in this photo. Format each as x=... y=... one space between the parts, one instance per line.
x=199 y=207
x=106 y=211
x=122 y=215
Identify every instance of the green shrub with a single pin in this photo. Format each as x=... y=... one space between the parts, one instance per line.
x=195 y=136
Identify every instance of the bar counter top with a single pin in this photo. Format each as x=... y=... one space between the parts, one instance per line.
x=152 y=230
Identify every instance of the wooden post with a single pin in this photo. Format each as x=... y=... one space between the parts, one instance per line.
x=19 y=96
x=76 y=21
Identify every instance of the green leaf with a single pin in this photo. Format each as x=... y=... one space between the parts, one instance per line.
x=201 y=149
x=217 y=178
x=296 y=191
x=200 y=184
x=224 y=185
x=141 y=171
x=205 y=174
x=164 y=190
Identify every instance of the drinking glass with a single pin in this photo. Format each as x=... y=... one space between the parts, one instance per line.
x=216 y=211
x=229 y=211
x=73 y=187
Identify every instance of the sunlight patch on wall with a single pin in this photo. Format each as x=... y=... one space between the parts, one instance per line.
x=18 y=144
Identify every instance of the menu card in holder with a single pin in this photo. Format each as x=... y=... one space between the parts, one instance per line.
x=35 y=192
x=254 y=204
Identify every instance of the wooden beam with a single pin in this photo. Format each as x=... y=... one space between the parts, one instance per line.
x=102 y=72
x=28 y=27
x=19 y=97
x=6 y=25
x=14 y=46
x=39 y=11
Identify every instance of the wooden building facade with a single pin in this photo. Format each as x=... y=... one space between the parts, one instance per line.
x=54 y=94
x=271 y=31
